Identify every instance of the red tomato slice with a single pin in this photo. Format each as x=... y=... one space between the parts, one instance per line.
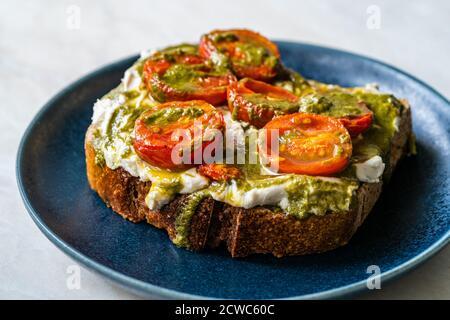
x=154 y=128
x=248 y=53
x=219 y=172
x=358 y=124
x=180 y=74
x=308 y=144
x=257 y=102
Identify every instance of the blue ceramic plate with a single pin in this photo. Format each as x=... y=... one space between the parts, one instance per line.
x=409 y=224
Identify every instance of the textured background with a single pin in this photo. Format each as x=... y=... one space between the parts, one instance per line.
x=45 y=45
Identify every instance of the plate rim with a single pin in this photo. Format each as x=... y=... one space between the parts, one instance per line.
x=145 y=288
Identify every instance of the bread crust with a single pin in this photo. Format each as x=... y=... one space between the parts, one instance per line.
x=243 y=231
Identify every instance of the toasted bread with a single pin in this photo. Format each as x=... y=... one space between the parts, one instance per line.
x=244 y=231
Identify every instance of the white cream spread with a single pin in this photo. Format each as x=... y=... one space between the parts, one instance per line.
x=370 y=170
x=131 y=80
x=232 y=194
x=104 y=108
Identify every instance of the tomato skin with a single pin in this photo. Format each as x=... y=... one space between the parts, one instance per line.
x=153 y=142
x=156 y=155
x=308 y=144
x=267 y=89
x=209 y=47
x=241 y=105
x=208 y=86
x=260 y=116
x=219 y=172
x=357 y=125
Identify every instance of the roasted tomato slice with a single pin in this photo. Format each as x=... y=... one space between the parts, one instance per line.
x=308 y=143
x=219 y=172
x=357 y=124
x=180 y=74
x=157 y=132
x=257 y=102
x=248 y=53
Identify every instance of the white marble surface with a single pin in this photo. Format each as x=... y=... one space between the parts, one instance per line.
x=41 y=53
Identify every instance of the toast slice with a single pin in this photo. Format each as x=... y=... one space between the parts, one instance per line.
x=244 y=231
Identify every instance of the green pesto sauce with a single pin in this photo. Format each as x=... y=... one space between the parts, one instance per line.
x=117 y=132
x=224 y=37
x=255 y=55
x=386 y=108
x=181 y=76
x=280 y=106
x=170 y=52
x=293 y=82
x=184 y=217
x=99 y=156
x=170 y=115
x=333 y=104
x=308 y=195
x=122 y=120
x=185 y=78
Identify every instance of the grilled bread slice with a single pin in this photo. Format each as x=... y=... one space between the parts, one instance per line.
x=244 y=231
